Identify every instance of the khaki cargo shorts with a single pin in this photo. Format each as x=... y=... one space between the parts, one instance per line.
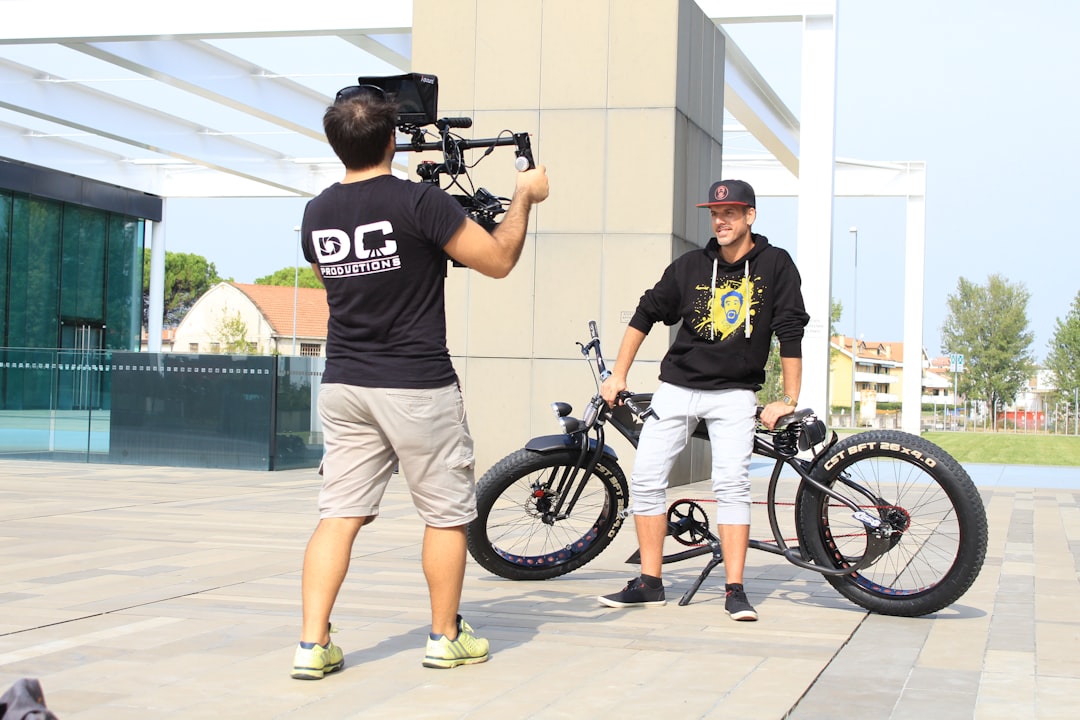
x=368 y=432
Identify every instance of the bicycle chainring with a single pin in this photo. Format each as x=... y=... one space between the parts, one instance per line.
x=688 y=523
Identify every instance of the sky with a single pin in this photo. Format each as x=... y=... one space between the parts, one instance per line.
x=981 y=91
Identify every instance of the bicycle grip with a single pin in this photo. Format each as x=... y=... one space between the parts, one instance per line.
x=626 y=396
x=592 y=330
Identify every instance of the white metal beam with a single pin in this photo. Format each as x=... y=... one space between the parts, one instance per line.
x=764 y=11
x=206 y=71
x=750 y=100
x=852 y=178
x=914 y=262
x=374 y=47
x=143 y=127
x=75 y=20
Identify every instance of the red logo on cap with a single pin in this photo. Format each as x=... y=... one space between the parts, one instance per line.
x=721 y=192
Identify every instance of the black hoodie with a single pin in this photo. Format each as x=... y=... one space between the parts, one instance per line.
x=728 y=347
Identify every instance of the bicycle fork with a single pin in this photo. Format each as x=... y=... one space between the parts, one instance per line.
x=570 y=476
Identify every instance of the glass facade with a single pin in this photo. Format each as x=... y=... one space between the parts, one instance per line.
x=73 y=384
x=70 y=280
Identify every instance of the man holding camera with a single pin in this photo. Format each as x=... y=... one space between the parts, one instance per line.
x=389 y=395
x=731 y=297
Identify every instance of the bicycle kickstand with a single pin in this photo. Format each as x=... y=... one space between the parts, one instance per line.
x=717 y=558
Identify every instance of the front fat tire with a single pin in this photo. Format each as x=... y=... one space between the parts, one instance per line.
x=509 y=537
x=940 y=551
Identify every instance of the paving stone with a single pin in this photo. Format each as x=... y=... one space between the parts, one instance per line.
x=135 y=592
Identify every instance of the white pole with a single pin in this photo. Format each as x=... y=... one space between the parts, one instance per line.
x=854 y=321
x=954 y=393
x=296 y=286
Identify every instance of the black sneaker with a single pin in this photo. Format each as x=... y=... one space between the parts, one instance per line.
x=737 y=606
x=635 y=594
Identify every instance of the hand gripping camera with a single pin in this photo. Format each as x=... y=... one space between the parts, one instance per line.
x=417 y=97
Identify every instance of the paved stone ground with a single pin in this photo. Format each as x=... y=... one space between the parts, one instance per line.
x=136 y=592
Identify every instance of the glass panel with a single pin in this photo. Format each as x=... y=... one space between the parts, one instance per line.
x=123 y=312
x=192 y=410
x=83 y=273
x=35 y=429
x=298 y=441
x=33 y=291
x=5 y=244
x=79 y=374
x=174 y=410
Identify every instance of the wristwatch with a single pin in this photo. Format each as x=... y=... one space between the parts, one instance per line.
x=790 y=402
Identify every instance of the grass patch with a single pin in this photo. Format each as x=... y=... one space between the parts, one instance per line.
x=1009 y=449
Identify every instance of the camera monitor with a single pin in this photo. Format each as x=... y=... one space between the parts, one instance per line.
x=417 y=96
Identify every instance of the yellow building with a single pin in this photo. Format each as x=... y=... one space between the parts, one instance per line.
x=878 y=369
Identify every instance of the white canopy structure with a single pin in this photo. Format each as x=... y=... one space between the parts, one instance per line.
x=224 y=99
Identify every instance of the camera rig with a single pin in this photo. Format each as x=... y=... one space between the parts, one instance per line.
x=416 y=95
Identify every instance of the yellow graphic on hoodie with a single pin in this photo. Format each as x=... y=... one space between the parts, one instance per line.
x=721 y=311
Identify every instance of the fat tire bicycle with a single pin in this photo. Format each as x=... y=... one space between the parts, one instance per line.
x=892 y=521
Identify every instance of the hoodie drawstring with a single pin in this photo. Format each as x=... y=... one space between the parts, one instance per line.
x=712 y=321
x=746 y=290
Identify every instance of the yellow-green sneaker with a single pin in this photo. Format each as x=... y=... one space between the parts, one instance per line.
x=313 y=663
x=466 y=649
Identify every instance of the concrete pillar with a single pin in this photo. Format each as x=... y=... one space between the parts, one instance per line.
x=624 y=101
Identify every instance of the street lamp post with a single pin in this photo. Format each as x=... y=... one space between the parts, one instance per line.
x=296 y=286
x=854 y=321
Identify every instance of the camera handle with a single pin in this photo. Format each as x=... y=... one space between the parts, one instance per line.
x=481 y=205
x=452 y=147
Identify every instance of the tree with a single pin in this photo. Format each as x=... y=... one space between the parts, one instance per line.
x=988 y=325
x=187 y=277
x=286 y=277
x=836 y=309
x=773 y=387
x=1063 y=358
x=231 y=333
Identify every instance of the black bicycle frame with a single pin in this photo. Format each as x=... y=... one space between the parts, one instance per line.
x=588 y=436
x=877 y=542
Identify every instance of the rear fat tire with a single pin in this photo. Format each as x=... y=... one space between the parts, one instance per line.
x=942 y=545
x=509 y=537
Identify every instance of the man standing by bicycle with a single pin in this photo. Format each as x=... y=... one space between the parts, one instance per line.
x=731 y=298
x=389 y=395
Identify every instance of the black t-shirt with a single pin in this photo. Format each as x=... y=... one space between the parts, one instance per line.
x=379 y=244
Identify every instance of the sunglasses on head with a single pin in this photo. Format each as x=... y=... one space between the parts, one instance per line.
x=357 y=90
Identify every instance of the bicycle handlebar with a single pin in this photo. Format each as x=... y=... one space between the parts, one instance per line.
x=625 y=396
x=594 y=346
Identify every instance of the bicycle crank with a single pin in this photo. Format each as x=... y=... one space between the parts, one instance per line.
x=688 y=523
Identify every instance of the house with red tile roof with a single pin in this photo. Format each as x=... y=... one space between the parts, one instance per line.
x=256 y=320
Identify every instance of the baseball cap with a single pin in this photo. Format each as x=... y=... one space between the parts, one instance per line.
x=730 y=192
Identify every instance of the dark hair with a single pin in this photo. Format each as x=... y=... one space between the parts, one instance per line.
x=358 y=127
